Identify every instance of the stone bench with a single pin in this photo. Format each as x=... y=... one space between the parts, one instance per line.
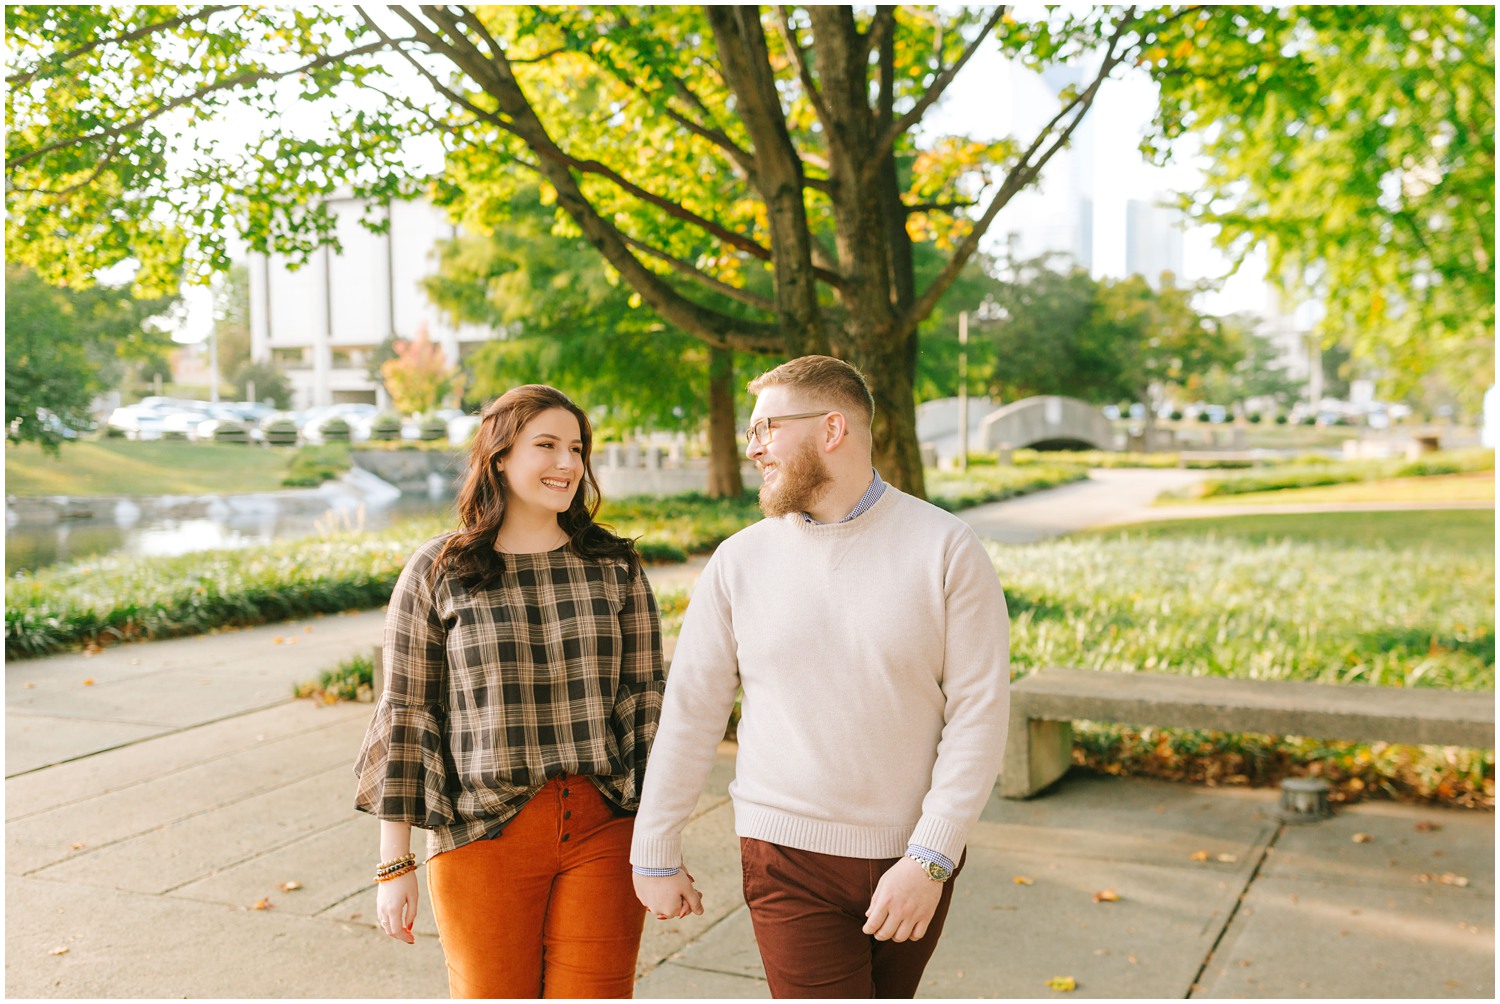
x=1039 y=749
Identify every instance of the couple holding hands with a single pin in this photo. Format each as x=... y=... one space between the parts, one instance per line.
x=527 y=725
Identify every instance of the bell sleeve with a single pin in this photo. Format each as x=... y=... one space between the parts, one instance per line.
x=642 y=682
x=402 y=764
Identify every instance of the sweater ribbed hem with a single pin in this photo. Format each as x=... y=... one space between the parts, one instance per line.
x=656 y=852
x=844 y=840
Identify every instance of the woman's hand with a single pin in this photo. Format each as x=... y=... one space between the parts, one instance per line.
x=396 y=906
x=669 y=896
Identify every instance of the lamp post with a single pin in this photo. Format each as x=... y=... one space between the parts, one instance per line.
x=963 y=390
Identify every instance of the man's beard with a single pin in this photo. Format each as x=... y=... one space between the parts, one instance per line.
x=800 y=481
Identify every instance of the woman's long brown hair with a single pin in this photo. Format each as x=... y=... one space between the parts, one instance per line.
x=470 y=553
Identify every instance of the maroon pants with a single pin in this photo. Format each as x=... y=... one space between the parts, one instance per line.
x=808 y=910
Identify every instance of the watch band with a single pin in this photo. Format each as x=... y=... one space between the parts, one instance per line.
x=934 y=870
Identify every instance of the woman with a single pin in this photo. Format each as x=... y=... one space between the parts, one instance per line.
x=523 y=682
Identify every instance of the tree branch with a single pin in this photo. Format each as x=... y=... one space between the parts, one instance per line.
x=717 y=285
x=499 y=82
x=243 y=80
x=883 y=21
x=1020 y=176
x=21 y=79
x=933 y=92
x=804 y=71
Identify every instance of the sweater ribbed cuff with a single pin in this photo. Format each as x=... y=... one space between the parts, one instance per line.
x=940 y=836
x=656 y=852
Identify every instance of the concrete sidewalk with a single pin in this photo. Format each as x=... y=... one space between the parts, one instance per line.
x=149 y=814
x=163 y=797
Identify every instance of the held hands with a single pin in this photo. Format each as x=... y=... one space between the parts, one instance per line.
x=669 y=896
x=905 y=900
x=396 y=906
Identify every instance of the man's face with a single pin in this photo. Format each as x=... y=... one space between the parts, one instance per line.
x=793 y=470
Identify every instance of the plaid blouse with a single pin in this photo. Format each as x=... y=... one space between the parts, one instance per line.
x=555 y=668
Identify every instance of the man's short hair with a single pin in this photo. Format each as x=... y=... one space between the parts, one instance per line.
x=825 y=379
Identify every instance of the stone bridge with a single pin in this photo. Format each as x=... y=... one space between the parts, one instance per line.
x=1046 y=423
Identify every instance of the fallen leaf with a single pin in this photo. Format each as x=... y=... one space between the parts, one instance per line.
x=1426 y=827
x=30 y=685
x=291 y=641
x=88 y=681
x=277 y=640
x=1227 y=859
x=1022 y=880
x=1199 y=855
x=263 y=904
x=1448 y=878
x=1065 y=984
x=1362 y=838
x=1106 y=896
x=292 y=886
x=960 y=974
x=1244 y=963
x=60 y=950
x=1130 y=958
x=79 y=845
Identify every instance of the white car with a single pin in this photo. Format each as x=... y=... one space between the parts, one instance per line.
x=138 y=421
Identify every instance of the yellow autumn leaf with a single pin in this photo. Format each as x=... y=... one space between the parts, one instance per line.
x=1022 y=880
x=264 y=903
x=1199 y=856
x=1183 y=49
x=292 y=886
x=1063 y=984
x=1106 y=896
x=1362 y=838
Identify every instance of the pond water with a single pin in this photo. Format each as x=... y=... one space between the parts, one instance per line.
x=33 y=547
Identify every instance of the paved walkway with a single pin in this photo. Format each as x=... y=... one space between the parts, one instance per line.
x=163 y=798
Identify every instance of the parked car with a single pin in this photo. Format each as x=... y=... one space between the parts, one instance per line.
x=137 y=421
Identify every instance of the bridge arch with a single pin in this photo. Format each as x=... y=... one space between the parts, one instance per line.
x=1047 y=422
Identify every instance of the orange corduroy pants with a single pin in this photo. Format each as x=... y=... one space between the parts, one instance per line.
x=546 y=909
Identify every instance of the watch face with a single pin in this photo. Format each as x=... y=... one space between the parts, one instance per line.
x=936 y=871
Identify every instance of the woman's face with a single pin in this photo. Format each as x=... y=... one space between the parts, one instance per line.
x=545 y=464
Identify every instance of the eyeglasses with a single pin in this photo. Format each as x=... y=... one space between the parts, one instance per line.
x=760 y=429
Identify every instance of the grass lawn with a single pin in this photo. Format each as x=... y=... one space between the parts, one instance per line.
x=1396 y=599
x=125 y=467
x=1478 y=487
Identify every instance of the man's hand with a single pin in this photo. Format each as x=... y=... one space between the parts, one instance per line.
x=903 y=904
x=669 y=895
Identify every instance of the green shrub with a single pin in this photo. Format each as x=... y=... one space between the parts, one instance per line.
x=1281 y=420
x=334 y=430
x=281 y=432
x=313 y=465
x=232 y=433
x=955 y=490
x=385 y=428
x=433 y=429
x=353 y=679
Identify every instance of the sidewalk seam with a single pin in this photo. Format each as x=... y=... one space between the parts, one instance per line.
x=1239 y=901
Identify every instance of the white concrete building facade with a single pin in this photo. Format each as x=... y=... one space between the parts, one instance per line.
x=321 y=322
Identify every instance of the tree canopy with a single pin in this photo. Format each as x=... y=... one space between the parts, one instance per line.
x=1356 y=145
x=689 y=146
x=63 y=347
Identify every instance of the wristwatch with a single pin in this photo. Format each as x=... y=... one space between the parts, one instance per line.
x=934 y=871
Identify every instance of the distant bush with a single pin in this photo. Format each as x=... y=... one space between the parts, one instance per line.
x=313 y=465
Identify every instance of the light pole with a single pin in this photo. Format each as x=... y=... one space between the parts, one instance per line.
x=963 y=390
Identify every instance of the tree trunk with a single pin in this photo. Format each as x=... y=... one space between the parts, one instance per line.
x=896 y=454
x=724 y=480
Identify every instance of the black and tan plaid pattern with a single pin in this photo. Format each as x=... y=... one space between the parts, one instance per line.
x=556 y=668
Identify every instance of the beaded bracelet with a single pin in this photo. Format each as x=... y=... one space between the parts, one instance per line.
x=387 y=876
x=395 y=866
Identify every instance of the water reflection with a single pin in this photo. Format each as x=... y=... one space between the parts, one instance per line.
x=29 y=548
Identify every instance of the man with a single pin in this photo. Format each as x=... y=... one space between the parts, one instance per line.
x=869 y=633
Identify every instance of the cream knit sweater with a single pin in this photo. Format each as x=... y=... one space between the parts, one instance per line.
x=874 y=657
